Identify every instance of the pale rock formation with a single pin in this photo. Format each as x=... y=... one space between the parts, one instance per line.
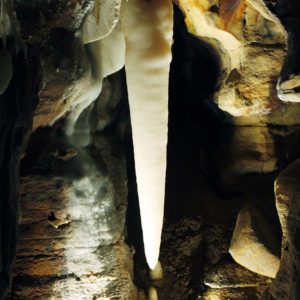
x=286 y=284
x=288 y=90
x=253 y=245
x=148 y=27
x=152 y=293
x=107 y=56
x=101 y=21
x=250 y=40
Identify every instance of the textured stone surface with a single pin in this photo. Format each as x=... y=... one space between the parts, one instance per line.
x=253 y=244
x=242 y=32
x=53 y=27
x=231 y=275
x=84 y=255
x=181 y=246
x=234 y=294
x=286 y=283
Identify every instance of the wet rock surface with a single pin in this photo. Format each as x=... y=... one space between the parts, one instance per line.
x=71 y=233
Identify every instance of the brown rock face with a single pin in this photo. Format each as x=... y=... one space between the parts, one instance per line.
x=250 y=40
x=286 y=283
x=17 y=105
x=54 y=27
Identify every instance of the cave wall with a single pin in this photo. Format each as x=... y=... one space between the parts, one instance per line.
x=18 y=103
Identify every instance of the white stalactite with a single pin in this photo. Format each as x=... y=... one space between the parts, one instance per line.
x=148 y=28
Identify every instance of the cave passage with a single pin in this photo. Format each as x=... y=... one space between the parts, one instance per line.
x=80 y=227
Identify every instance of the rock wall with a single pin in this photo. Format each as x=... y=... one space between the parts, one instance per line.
x=17 y=105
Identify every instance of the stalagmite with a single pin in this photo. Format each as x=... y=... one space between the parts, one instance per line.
x=148 y=34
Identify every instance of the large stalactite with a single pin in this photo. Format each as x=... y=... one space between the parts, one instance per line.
x=148 y=30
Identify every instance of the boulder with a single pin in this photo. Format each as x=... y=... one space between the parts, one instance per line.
x=253 y=244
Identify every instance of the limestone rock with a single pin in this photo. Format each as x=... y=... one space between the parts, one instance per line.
x=231 y=275
x=253 y=245
x=242 y=32
x=286 y=283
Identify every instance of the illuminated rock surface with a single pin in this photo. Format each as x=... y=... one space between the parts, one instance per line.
x=253 y=245
x=242 y=32
x=85 y=257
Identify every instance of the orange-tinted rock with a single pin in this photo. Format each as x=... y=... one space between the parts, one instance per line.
x=242 y=32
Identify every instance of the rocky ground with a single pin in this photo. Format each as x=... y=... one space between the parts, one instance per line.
x=198 y=230
x=71 y=243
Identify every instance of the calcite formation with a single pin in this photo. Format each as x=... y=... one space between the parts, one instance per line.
x=148 y=30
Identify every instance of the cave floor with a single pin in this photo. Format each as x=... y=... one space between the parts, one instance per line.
x=73 y=204
x=197 y=230
x=199 y=225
